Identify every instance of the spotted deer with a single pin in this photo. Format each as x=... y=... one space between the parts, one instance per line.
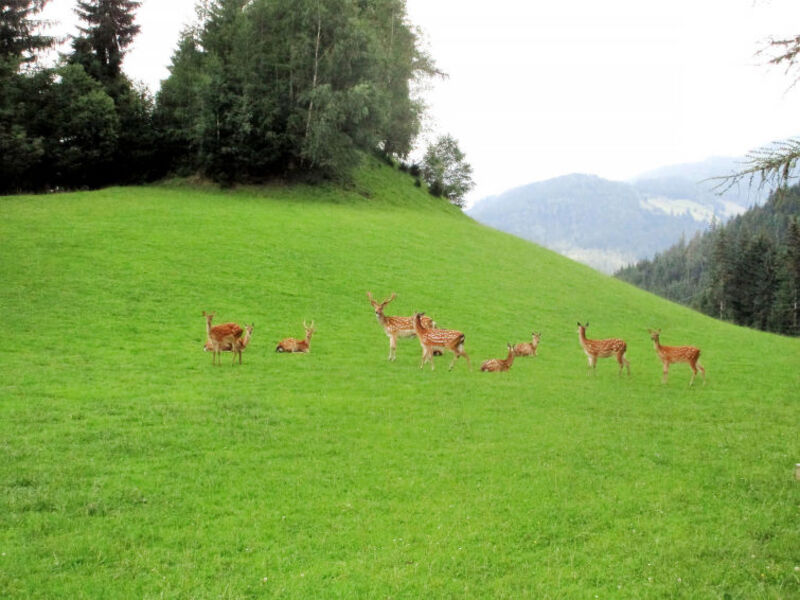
x=431 y=338
x=677 y=354
x=595 y=349
x=528 y=348
x=295 y=345
x=396 y=327
x=499 y=364
x=236 y=346
x=220 y=336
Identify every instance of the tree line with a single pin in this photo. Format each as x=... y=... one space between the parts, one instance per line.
x=746 y=271
x=257 y=89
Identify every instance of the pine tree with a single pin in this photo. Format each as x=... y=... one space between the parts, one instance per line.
x=793 y=273
x=108 y=32
x=19 y=35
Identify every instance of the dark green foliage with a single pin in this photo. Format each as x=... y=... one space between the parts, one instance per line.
x=20 y=37
x=79 y=125
x=109 y=29
x=274 y=87
x=747 y=271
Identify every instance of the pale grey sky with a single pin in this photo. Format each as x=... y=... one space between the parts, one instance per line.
x=538 y=88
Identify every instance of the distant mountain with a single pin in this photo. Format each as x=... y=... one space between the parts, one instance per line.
x=610 y=224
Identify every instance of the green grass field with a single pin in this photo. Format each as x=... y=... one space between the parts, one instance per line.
x=133 y=468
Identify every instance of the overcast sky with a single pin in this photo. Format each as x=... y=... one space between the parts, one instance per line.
x=542 y=88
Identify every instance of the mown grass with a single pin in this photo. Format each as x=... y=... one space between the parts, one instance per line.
x=133 y=468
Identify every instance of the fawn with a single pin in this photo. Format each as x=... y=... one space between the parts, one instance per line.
x=500 y=364
x=295 y=345
x=676 y=354
x=236 y=347
x=436 y=339
x=220 y=336
x=528 y=348
x=595 y=349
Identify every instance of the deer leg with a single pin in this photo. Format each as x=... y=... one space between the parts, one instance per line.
x=703 y=371
x=665 y=372
x=456 y=354
x=392 y=347
x=627 y=364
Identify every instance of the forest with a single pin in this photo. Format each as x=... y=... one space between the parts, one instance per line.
x=746 y=271
x=257 y=89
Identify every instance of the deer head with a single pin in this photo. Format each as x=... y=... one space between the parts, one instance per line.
x=309 y=329
x=379 y=306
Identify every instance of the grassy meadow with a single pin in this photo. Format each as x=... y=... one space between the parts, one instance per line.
x=132 y=468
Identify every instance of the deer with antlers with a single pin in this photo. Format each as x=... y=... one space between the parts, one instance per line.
x=236 y=346
x=295 y=345
x=595 y=349
x=221 y=336
x=677 y=354
x=528 y=348
x=396 y=327
x=431 y=339
x=500 y=364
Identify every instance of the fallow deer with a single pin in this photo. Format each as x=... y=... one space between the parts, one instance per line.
x=499 y=364
x=595 y=349
x=528 y=348
x=236 y=346
x=295 y=345
x=431 y=338
x=396 y=327
x=676 y=354
x=220 y=336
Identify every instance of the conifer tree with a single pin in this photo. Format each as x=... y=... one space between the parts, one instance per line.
x=108 y=31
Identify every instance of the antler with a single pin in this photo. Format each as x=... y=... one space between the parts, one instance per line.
x=392 y=297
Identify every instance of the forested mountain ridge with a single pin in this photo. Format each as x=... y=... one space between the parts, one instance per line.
x=609 y=224
x=746 y=271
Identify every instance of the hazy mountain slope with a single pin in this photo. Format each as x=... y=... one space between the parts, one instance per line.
x=610 y=224
x=600 y=222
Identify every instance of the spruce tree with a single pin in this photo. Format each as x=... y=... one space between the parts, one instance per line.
x=109 y=30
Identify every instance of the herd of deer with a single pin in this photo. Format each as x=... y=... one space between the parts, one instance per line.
x=230 y=337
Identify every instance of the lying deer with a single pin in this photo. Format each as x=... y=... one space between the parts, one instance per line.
x=677 y=354
x=236 y=346
x=528 y=348
x=432 y=339
x=220 y=336
x=499 y=364
x=295 y=345
x=595 y=349
x=395 y=327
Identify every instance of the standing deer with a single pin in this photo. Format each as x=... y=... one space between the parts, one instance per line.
x=236 y=346
x=220 y=336
x=528 y=348
x=396 y=326
x=432 y=339
x=498 y=364
x=676 y=354
x=595 y=349
x=295 y=345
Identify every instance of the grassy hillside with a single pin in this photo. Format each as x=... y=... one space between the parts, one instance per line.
x=132 y=468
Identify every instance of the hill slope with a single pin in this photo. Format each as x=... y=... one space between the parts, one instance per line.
x=133 y=468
